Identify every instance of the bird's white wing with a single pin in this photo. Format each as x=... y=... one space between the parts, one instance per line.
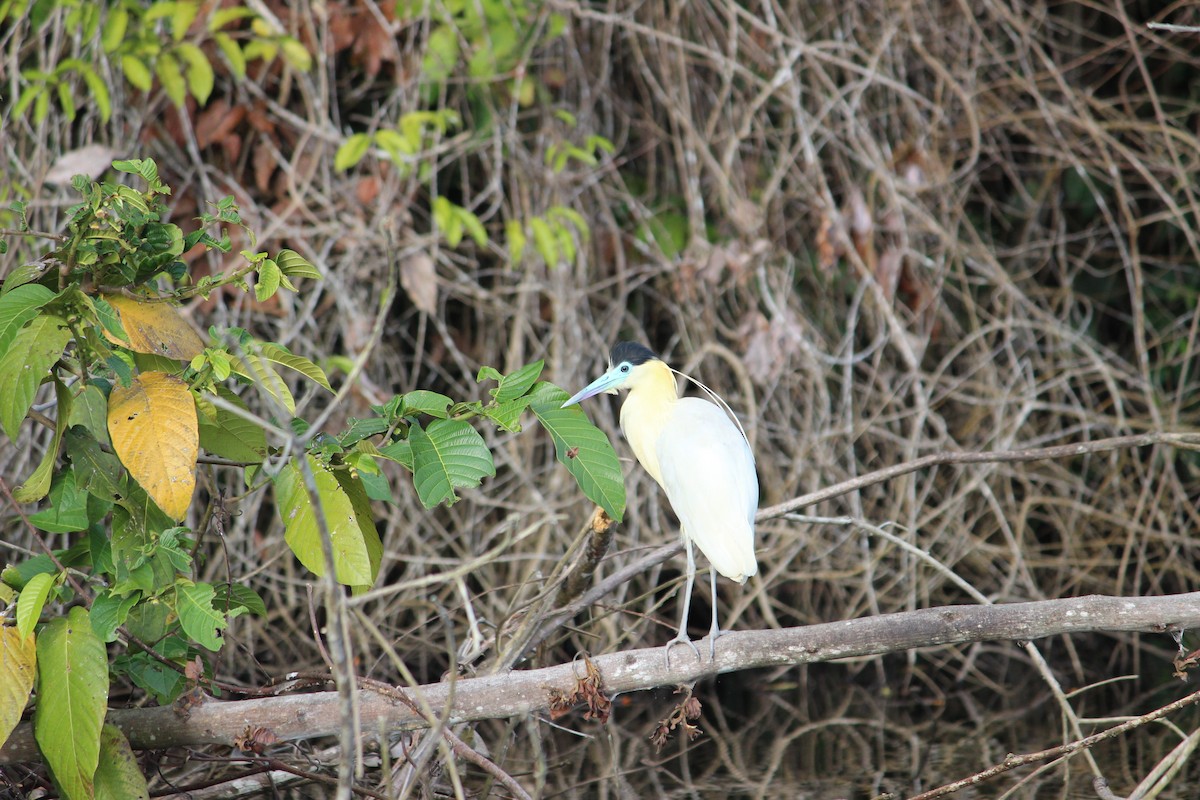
x=708 y=475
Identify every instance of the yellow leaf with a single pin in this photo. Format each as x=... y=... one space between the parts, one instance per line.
x=155 y=432
x=156 y=328
x=18 y=665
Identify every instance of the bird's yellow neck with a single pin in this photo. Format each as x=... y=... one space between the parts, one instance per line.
x=652 y=393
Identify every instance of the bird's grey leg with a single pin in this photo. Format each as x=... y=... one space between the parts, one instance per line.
x=682 y=637
x=715 y=630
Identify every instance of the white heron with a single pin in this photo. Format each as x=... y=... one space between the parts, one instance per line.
x=700 y=457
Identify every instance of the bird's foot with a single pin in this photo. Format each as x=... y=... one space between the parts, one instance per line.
x=681 y=639
x=714 y=634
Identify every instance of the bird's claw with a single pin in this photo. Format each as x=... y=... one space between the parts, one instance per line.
x=712 y=642
x=681 y=639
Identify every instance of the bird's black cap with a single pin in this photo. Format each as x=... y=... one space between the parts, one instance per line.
x=633 y=352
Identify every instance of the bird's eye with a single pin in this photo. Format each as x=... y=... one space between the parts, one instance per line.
x=625 y=367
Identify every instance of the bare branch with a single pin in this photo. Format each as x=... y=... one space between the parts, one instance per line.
x=1012 y=761
x=1189 y=441
x=528 y=691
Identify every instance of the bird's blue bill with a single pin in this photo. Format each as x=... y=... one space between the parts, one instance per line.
x=608 y=382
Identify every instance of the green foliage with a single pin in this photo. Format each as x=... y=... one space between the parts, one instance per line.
x=147 y=42
x=72 y=700
x=499 y=35
x=556 y=236
x=559 y=154
x=582 y=448
x=140 y=397
x=403 y=143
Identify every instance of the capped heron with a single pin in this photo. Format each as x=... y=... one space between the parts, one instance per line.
x=701 y=459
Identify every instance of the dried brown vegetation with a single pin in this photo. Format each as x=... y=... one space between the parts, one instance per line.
x=902 y=228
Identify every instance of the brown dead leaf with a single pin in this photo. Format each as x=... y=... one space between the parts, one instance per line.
x=770 y=344
x=887 y=271
x=91 y=161
x=1186 y=661
x=217 y=121
x=260 y=119
x=264 y=166
x=680 y=717
x=366 y=190
x=831 y=241
x=419 y=278
x=589 y=689
x=186 y=702
x=255 y=740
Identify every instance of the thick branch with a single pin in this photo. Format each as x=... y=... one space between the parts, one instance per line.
x=528 y=691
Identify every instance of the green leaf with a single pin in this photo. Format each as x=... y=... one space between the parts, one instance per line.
x=234 y=596
x=582 y=448
x=508 y=414
x=233 y=53
x=441 y=53
x=230 y=435
x=295 y=53
x=295 y=265
x=72 y=700
x=356 y=547
x=137 y=73
x=517 y=383
x=183 y=14
x=268 y=280
x=360 y=429
x=566 y=242
x=200 y=621
x=449 y=455
x=279 y=354
x=163 y=682
x=422 y=401
x=171 y=78
x=260 y=48
x=118 y=776
x=32 y=600
x=30 y=93
x=41 y=107
x=145 y=168
x=219 y=18
x=114 y=29
x=99 y=91
x=474 y=227
x=199 y=71
x=89 y=410
x=109 y=611
x=68 y=507
x=34 y=350
x=351 y=151
x=399 y=451
x=109 y=319
x=254 y=368
x=37 y=484
x=97 y=472
x=489 y=374
x=544 y=241
x=66 y=100
x=514 y=231
x=398 y=148
x=445 y=219
x=563 y=214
